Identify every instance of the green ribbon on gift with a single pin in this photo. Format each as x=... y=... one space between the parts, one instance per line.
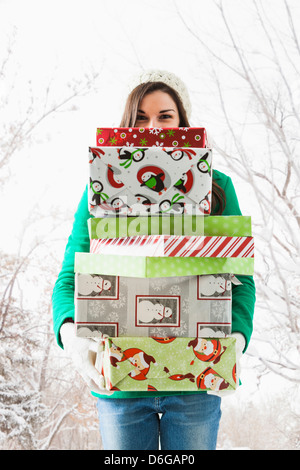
x=146 y=267
x=114 y=227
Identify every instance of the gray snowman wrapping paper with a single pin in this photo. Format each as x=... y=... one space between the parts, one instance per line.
x=178 y=306
x=144 y=181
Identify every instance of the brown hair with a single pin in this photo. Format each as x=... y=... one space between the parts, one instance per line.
x=129 y=119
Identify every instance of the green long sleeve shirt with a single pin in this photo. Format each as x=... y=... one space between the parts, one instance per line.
x=243 y=296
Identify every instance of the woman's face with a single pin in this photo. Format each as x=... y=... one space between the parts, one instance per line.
x=157 y=109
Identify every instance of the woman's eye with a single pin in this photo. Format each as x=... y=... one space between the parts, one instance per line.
x=165 y=116
x=140 y=118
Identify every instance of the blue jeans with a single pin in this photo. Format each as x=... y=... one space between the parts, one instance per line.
x=178 y=422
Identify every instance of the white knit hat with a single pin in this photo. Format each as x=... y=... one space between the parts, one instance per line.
x=169 y=79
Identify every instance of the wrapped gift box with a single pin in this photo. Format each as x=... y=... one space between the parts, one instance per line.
x=147 y=266
x=127 y=306
x=142 y=181
x=115 y=227
x=151 y=137
x=176 y=245
x=168 y=364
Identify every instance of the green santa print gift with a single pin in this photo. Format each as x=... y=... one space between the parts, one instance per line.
x=168 y=364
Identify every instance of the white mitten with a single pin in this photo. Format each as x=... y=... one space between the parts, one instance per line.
x=240 y=346
x=82 y=352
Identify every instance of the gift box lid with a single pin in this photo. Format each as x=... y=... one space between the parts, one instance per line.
x=136 y=363
x=114 y=227
x=143 y=266
x=156 y=136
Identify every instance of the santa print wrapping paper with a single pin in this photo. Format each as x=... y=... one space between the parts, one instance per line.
x=151 y=137
x=176 y=245
x=181 y=306
x=116 y=227
x=168 y=364
x=155 y=180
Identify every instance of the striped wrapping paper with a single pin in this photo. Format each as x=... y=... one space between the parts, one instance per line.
x=176 y=246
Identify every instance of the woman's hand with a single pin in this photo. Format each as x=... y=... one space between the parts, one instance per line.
x=82 y=352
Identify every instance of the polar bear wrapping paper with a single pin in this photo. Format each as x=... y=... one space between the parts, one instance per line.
x=142 y=181
x=168 y=364
x=181 y=306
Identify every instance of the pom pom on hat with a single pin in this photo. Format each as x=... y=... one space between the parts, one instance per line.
x=169 y=79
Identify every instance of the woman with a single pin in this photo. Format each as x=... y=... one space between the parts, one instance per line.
x=134 y=420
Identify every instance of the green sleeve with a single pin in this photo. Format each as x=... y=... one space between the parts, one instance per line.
x=63 y=292
x=243 y=296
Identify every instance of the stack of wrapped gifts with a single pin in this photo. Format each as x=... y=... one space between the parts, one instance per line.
x=156 y=285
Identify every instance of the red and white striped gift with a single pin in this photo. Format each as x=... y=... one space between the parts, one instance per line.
x=176 y=246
